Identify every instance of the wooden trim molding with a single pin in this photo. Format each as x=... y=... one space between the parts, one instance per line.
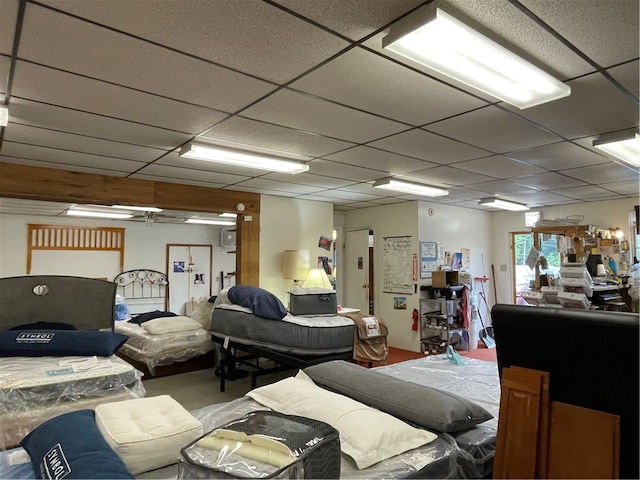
x=54 y=185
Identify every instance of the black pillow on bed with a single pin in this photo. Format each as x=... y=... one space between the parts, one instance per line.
x=59 y=343
x=71 y=446
x=428 y=407
x=145 y=317
x=261 y=302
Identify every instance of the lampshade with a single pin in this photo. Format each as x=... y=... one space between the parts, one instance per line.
x=240 y=158
x=295 y=264
x=410 y=187
x=437 y=40
x=317 y=277
x=503 y=204
x=622 y=145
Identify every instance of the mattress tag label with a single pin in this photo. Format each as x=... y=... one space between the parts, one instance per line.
x=226 y=342
x=34 y=337
x=372 y=326
x=54 y=464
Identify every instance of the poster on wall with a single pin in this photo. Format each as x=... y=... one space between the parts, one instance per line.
x=428 y=258
x=397 y=265
x=466 y=258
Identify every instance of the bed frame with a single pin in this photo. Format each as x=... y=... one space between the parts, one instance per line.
x=250 y=356
x=146 y=285
x=85 y=303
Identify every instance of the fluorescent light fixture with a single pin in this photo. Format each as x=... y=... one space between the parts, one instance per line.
x=240 y=158
x=503 y=204
x=138 y=209
x=210 y=221
x=4 y=116
x=624 y=146
x=98 y=214
x=410 y=187
x=228 y=215
x=450 y=47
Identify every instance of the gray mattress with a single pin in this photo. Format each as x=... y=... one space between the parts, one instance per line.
x=295 y=335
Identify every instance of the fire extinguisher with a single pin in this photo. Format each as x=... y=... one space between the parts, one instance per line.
x=414 y=316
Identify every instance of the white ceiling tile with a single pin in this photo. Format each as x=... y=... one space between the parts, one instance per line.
x=185 y=173
x=368 y=82
x=102 y=98
x=605 y=173
x=354 y=19
x=67 y=120
x=276 y=137
x=25 y=134
x=425 y=145
x=559 y=156
x=628 y=75
x=223 y=32
x=267 y=184
x=343 y=194
x=503 y=187
x=584 y=193
x=493 y=129
x=345 y=172
x=445 y=176
x=8 y=16
x=627 y=187
x=376 y=159
x=578 y=116
x=312 y=114
x=66 y=157
x=308 y=179
x=498 y=166
x=53 y=39
x=549 y=181
x=605 y=31
x=97 y=170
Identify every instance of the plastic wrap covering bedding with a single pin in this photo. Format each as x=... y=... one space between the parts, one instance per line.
x=439 y=459
x=163 y=349
x=297 y=335
x=477 y=381
x=34 y=389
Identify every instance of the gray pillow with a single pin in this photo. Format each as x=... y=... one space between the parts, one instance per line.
x=428 y=407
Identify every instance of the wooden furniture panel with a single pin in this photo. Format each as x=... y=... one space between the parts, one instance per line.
x=520 y=443
x=583 y=443
x=61 y=237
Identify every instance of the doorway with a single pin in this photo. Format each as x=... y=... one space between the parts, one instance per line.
x=358 y=271
x=525 y=261
x=189 y=272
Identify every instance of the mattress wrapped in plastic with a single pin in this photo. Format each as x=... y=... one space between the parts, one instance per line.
x=34 y=389
x=156 y=350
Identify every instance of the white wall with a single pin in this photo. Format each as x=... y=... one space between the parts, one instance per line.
x=452 y=226
x=605 y=214
x=145 y=246
x=290 y=224
x=399 y=219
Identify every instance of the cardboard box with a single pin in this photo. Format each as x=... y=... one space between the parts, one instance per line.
x=444 y=278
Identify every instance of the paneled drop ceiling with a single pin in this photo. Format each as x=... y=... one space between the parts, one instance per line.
x=116 y=87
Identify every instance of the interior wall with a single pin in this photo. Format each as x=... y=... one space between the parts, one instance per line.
x=605 y=214
x=290 y=224
x=389 y=221
x=145 y=246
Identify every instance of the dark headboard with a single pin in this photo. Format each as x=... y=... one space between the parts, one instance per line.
x=86 y=303
x=591 y=356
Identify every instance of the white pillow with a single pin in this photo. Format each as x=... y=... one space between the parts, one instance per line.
x=178 y=323
x=147 y=433
x=367 y=435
